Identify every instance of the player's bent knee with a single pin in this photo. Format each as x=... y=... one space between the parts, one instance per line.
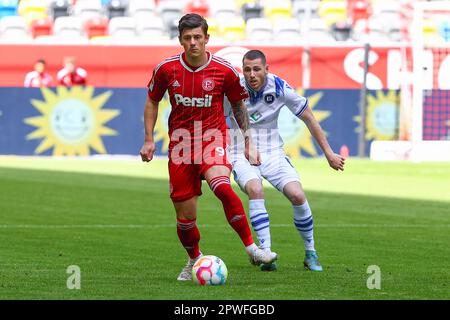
x=254 y=190
x=297 y=198
x=186 y=215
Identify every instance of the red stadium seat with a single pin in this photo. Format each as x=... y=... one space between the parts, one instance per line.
x=359 y=10
x=96 y=27
x=42 y=27
x=200 y=7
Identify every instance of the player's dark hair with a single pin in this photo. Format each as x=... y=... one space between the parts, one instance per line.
x=255 y=54
x=41 y=61
x=191 y=21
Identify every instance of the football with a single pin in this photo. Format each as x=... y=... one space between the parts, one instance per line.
x=209 y=270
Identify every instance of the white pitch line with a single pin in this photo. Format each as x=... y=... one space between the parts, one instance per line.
x=153 y=226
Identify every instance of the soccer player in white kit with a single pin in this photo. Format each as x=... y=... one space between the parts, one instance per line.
x=268 y=94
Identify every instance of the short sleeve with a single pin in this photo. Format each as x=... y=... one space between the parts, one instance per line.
x=295 y=102
x=157 y=85
x=27 y=81
x=233 y=88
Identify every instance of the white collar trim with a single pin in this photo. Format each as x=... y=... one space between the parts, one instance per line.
x=199 y=68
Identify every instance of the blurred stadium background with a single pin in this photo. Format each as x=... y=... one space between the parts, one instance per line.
x=376 y=73
x=354 y=59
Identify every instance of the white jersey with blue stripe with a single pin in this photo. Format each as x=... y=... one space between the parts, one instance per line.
x=264 y=107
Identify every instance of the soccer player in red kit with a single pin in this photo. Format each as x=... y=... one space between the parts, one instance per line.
x=39 y=77
x=196 y=82
x=71 y=75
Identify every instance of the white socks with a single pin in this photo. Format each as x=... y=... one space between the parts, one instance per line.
x=303 y=221
x=260 y=222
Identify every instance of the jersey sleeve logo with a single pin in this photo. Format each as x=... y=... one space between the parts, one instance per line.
x=175 y=84
x=208 y=84
x=269 y=98
x=255 y=116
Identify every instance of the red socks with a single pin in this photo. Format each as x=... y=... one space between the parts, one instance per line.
x=188 y=232
x=189 y=236
x=232 y=205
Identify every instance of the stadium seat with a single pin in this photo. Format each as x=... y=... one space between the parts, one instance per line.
x=392 y=28
x=221 y=10
x=122 y=27
x=360 y=29
x=359 y=10
x=333 y=11
x=341 y=31
x=213 y=27
x=8 y=8
x=59 y=8
x=88 y=9
x=315 y=31
x=42 y=27
x=14 y=26
x=280 y=9
x=151 y=28
x=172 y=29
x=376 y=30
x=444 y=30
x=32 y=10
x=145 y=9
x=386 y=9
x=395 y=33
x=259 y=30
x=303 y=9
x=300 y=9
x=252 y=10
x=116 y=8
x=170 y=11
x=240 y=3
x=200 y=7
x=214 y=32
x=69 y=26
x=430 y=32
x=287 y=32
x=96 y=27
x=232 y=29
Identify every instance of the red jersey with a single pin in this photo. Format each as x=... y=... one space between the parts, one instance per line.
x=196 y=94
x=36 y=79
x=76 y=78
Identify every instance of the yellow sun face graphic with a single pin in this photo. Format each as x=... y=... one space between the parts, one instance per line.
x=294 y=132
x=72 y=121
x=162 y=124
x=382 y=116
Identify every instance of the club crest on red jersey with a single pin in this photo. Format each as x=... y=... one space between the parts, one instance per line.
x=208 y=84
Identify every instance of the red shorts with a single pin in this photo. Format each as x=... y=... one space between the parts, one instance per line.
x=185 y=177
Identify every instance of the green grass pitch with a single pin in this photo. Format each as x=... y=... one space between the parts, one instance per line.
x=114 y=219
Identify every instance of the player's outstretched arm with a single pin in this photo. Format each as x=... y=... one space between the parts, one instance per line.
x=334 y=160
x=241 y=115
x=150 y=116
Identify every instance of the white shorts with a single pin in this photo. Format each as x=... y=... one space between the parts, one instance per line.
x=276 y=168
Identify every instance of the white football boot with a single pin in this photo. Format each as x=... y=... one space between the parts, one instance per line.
x=259 y=256
x=186 y=273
